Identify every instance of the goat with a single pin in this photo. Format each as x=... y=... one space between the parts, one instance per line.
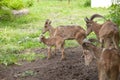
x=69 y=32
x=56 y=42
x=106 y=32
x=108 y=60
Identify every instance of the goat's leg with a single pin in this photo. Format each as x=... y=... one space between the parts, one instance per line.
x=115 y=41
x=80 y=40
x=80 y=37
x=114 y=73
x=102 y=75
x=54 y=51
x=63 y=54
x=102 y=43
x=49 y=53
x=114 y=76
x=101 y=71
x=107 y=42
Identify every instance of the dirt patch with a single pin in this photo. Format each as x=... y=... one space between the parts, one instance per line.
x=72 y=68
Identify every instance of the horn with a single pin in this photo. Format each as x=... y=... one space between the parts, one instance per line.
x=95 y=16
x=86 y=19
x=49 y=22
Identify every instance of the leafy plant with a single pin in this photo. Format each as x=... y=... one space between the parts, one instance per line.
x=7 y=5
x=26 y=73
x=41 y=56
x=115 y=13
x=87 y=3
x=28 y=56
x=5 y=14
x=16 y=4
x=8 y=59
x=28 y=3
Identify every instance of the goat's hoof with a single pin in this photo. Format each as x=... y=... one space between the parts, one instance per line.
x=54 y=54
x=62 y=59
x=48 y=58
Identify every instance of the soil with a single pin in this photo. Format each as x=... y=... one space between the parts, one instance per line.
x=72 y=68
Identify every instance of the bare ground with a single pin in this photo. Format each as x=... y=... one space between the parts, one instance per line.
x=72 y=68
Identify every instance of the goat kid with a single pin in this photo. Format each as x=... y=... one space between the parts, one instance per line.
x=69 y=32
x=57 y=42
x=108 y=60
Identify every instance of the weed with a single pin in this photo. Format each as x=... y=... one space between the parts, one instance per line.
x=25 y=73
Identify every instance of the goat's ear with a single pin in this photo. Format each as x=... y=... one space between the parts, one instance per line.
x=41 y=36
x=49 y=22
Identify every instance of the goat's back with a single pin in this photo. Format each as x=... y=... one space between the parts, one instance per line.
x=110 y=61
x=69 y=32
x=108 y=29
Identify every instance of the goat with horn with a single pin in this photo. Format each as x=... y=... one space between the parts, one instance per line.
x=106 y=33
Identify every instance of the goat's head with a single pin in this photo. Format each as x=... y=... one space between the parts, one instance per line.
x=88 y=52
x=46 y=26
x=87 y=45
x=90 y=23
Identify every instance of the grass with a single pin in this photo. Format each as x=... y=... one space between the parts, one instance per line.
x=23 y=32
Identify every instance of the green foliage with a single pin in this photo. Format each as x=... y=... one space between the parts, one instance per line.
x=27 y=73
x=28 y=3
x=5 y=14
x=7 y=5
x=87 y=3
x=115 y=13
x=8 y=59
x=7 y=49
x=13 y=4
x=28 y=56
x=41 y=56
x=16 y=4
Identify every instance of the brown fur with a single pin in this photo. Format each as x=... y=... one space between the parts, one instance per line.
x=108 y=61
x=69 y=32
x=109 y=33
x=57 y=42
x=108 y=64
x=106 y=32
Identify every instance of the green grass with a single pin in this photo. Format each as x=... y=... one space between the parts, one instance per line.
x=23 y=32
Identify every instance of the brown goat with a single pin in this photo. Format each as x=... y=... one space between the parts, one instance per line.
x=106 y=32
x=69 y=32
x=56 y=41
x=108 y=61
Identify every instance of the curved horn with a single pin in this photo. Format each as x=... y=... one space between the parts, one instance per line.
x=96 y=15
